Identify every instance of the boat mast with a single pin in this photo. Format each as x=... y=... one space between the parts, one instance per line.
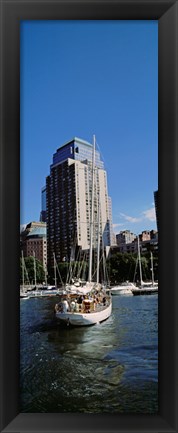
x=92 y=212
x=34 y=264
x=45 y=271
x=139 y=260
x=98 y=249
x=55 y=277
x=152 y=270
x=22 y=272
x=104 y=264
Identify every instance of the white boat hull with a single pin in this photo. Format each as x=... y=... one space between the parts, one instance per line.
x=123 y=289
x=145 y=291
x=41 y=293
x=24 y=297
x=85 y=319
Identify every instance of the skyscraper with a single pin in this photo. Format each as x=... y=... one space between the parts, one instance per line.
x=68 y=202
x=43 y=205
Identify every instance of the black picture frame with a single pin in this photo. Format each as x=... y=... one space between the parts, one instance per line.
x=166 y=12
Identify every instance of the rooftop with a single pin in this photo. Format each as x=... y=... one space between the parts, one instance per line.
x=37 y=231
x=77 y=140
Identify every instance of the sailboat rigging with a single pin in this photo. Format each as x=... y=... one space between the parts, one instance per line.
x=146 y=288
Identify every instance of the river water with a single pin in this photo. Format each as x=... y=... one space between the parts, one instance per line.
x=107 y=368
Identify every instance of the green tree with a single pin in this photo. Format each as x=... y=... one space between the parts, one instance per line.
x=73 y=270
x=121 y=267
x=124 y=266
x=29 y=265
x=66 y=271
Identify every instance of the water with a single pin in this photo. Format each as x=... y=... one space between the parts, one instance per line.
x=107 y=368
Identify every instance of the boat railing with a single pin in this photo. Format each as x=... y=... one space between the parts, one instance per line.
x=85 y=306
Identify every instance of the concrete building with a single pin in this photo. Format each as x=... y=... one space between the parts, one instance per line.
x=125 y=237
x=68 y=201
x=33 y=241
x=145 y=236
x=150 y=245
x=146 y=245
x=43 y=205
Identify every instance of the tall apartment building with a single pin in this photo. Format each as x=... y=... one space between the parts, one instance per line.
x=68 y=201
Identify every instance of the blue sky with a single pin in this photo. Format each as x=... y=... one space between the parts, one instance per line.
x=80 y=78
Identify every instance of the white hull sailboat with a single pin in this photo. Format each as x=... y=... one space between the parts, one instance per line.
x=146 y=288
x=93 y=303
x=87 y=313
x=123 y=289
x=145 y=291
x=23 y=292
x=42 y=291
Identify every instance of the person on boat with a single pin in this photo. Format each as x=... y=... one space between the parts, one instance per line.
x=80 y=299
x=104 y=300
x=94 y=303
x=72 y=305
x=65 y=306
x=76 y=308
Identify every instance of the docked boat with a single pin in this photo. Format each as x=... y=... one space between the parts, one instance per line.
x=91 y=303
x=123 y=289
x=43 y=293
x=24 y=295
x=145 y=288
x=23 y=288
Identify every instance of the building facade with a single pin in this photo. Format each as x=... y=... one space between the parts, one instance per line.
x=43 y=205
x=125 y=237
x=148 y=242
x=34 y=242
x=145 y=236
x=68 y=202
x=132 y=247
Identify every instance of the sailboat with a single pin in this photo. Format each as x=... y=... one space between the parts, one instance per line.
x=47 y=290
x=94 y=303
x=123 y=289
x=23 y=293
x=74 y=283
x=154 y=283
x=146 y=288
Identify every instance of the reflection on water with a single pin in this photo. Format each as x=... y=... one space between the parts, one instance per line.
x=110 y=367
